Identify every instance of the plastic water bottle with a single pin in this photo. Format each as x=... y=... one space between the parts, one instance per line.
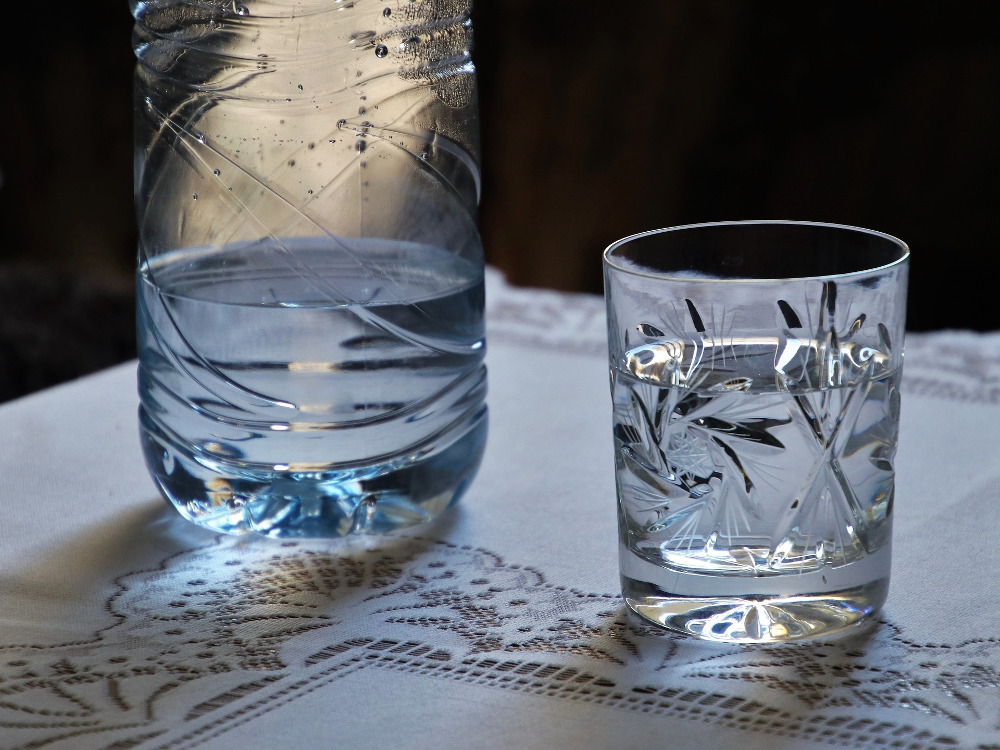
x=310 y=274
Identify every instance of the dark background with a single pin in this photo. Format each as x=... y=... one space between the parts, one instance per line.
x=598 y=120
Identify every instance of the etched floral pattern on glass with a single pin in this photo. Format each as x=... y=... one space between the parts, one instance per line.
x=750 y=454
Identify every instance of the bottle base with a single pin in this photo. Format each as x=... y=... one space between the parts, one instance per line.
x=226 y=497
x=756 y=618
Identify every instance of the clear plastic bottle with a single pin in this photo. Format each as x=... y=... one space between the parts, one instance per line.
x=310 y=274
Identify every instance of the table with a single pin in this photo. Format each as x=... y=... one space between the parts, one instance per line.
x=498 y=626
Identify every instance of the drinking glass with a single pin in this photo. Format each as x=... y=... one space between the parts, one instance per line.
x=755 y=372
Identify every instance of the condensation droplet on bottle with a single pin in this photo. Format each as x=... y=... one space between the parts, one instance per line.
x=381 y=51
x=216 y=172
x=387 y=12
x=340 y=125
x=241 y=10
x=291 y=162
x=311 y=146
x=200 y=137
x=424 y=155
x=361 y=110
x=361 y=146
x=194 y=196
x=310 y=192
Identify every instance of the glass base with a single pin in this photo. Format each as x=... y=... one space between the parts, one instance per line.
x=227 y=497
x=757 y=618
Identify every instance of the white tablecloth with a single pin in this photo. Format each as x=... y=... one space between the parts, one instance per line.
x=499 y=626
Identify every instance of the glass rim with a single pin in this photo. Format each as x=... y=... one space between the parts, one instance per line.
x=610 y=261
